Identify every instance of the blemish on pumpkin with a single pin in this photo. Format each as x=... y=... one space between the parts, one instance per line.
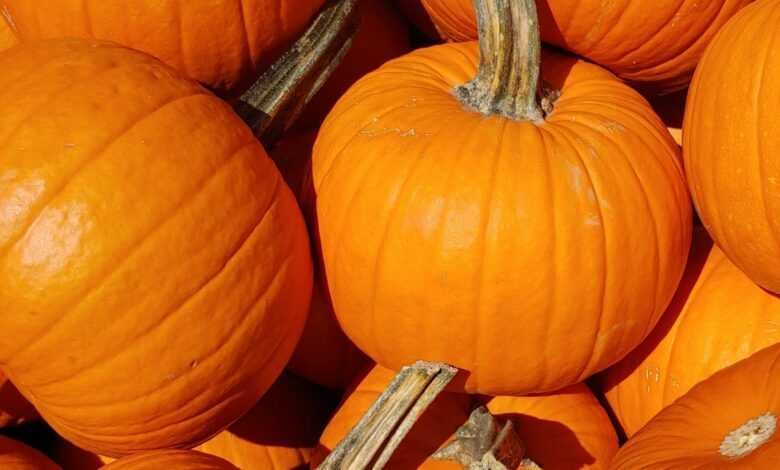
x=749 y=437
x=193 y=364
x=613 y=127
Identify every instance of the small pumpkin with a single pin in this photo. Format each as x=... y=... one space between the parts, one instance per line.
x=454 y=221
x=155 y=272
x=717 y=318
x=17 y=456
x=732 y=169
x=729 y=420
x=14 y=409
x=653 y=44
x=183 y=459
x=221 y=43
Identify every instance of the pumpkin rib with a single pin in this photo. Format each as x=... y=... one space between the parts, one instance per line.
x=143 y=240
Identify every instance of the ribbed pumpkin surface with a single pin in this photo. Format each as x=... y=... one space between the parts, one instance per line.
x=171 y=459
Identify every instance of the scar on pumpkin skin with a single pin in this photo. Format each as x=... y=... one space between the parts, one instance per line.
x=749 y=437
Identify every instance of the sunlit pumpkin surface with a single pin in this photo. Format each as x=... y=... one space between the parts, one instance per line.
x=173 y=459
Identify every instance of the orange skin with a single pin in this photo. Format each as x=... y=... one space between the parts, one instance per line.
x=8 y=38
x=224 y=44
x=436 y=223
x=324 y=354
x=162 y=459
x=561 y=431
x=733 y=171
x=657 y=44
x=689 y=343
x=155 y=272
x=14 y=409
x=17 y=456
x=689 y=432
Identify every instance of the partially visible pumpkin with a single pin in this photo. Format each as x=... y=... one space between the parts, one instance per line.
x=14 y=408
x=731 y=142
x=224 y=44
x=654 y=44
x=728 y=421
x=671 y=109
x=16 y=456
x=718 y=317
x=171 y=459
x=155 y=273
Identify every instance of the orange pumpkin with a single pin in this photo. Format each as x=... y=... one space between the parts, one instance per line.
x=155 y=271
x=382 y=35
x=173 y=459
x=726 y=421
x=671 y=109
x=14 y=409
x=655 y=44
x=717 y=318
x=17 y=456
x=732 y=170
x=564 y=430
x=221 y=43
x=446 y=233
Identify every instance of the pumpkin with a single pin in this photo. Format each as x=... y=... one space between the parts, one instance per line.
x=656 y=45
x=452 y=224
x=7 y=36
x=382 y=35
x=14 y=409
x=732 y=171
x=221 y=43
x=726 y=421
x=16 y=456
x=155 y=271
x=717 y=318
x=184 y=459
x=671 y=109
x=563 y=430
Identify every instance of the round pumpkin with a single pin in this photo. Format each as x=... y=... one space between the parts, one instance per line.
x=717 y=318
x=728 y=421
x=654 y=44
x=16 y=456
x=564 y=430
x=382 y=35
x=446 y=233
x=178 y=459
x=154 y=267
x=14 y=409
x=732 y=171
x=224 y=44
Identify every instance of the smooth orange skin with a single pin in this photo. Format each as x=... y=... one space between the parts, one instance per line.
x=154 y=268
x=171 y=459
x=445 y=234
x=654 y=44
x=382 y=35
x=718 y=317
x=733 y=172
x=17 y=456
x=224 y=44
x=14 y=409
x=324 y=354
x=688 y=433
x=565 y=430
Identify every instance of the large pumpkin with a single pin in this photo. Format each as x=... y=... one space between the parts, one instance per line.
x=14 y=409
x=728 y=421
x=655 y=44
x=731 y=160
x=564 y=430
x=493 y=243
x=17 y=456
x=717 y=318
x=173 y=459
x=221 y=43
x=154 y=267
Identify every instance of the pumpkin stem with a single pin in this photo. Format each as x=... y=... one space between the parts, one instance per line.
x=749 y=437
x=276 y=99
x=507 y=82
x=390 y=417
x=481 y=445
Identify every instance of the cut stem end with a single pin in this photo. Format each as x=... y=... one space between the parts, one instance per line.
x=749 y=437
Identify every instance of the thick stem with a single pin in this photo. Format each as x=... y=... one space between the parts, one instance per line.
x=507 y=82
x=276 y=99
x=390 y=418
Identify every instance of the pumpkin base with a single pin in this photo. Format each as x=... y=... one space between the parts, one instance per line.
x=749 y=437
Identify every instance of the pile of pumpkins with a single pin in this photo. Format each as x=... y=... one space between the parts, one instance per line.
x=589 y=231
